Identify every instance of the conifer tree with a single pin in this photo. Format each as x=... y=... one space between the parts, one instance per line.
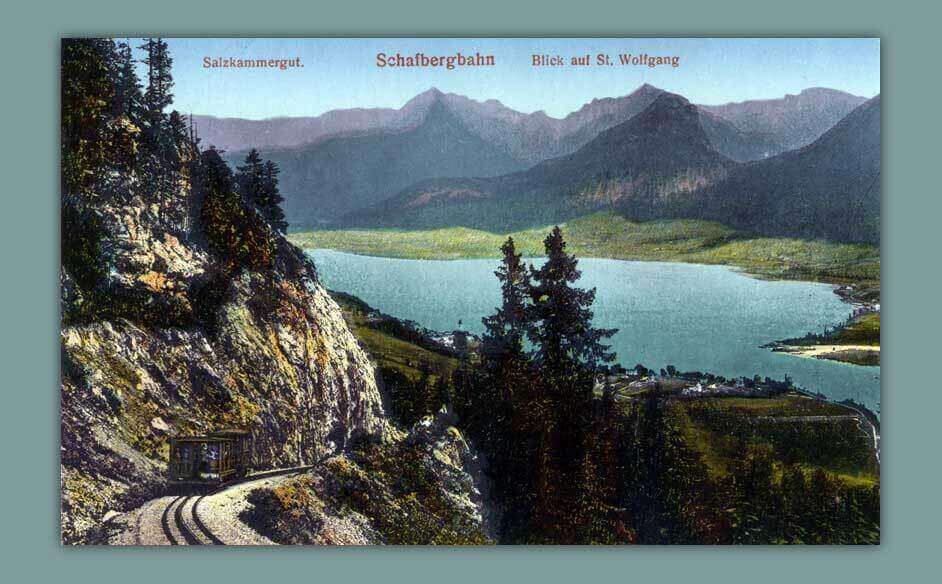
x=568 y=352
x=158 y=96
x=270 y=203
x=258 y=186
x=561 y=315
x=88 y=94
x=129 y=99
x=159 y=159
x=505 y=329
x=249 y=176
x=234 y=231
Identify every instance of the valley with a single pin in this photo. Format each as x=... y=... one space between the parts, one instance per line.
x=609 y=235
x=645 y=322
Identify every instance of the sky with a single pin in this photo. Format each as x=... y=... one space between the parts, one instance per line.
x=342 y=73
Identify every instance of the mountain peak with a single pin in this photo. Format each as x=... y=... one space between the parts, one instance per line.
x=424 y=99
x=668 y=109
x=667 y=99
x=648 y=88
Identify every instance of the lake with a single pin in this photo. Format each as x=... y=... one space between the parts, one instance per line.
x=695 y=317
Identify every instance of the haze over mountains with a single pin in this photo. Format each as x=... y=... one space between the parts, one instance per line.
x=792 y=121
x=637 y=166
x=340 y=174
x=444 y=159
x=662 y=164
x=829 y=189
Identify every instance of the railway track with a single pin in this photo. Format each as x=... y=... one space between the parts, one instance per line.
x=178 y=516
x=181 y=524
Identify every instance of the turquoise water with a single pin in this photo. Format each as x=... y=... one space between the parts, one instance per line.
x=695 y=317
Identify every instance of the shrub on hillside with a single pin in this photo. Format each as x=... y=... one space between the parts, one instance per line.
x=236 y=233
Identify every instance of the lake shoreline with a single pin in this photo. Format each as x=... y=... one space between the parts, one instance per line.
x=853 y=294
x=607 y=235
x=743 y=270
x=862 y=355
x=641 y=299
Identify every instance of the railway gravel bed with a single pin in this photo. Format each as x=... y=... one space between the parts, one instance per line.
x=211 y=518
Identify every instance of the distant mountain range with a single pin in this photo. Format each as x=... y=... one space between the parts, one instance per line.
x=341 y=174
x=829 y=189
x=792 y=121
x=659 y=153
x=347 y=160
x=662 y=163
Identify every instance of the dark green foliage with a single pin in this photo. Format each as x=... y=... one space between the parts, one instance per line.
x=413 y=399
x=561 y=317
x=257 y=182
x=571 y=466
x=128 y=98
x=420 y=513
x=795 y=442
x=88 y=94
x=550 y=444
x=235 y=232
x=673 y=499
x=81 y=250
x=208 y=297
x=164 y=140
x=158 y=96
x=505 y=329
x=118 y=148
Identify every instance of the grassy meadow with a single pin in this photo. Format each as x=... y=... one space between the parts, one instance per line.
x=608 y=235
x=719 y=429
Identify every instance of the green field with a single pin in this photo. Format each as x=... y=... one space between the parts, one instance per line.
x=864 y=330
x=719 y=428
x=608 y=235
x=387 y=350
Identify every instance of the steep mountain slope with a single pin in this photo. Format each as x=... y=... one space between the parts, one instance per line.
x=323 y=180
x=345 y=160
x=528 y=138
x=272 y=353
x=734 y=143
x=792 y=121
x=829 y=189
x=636 y=166
x=533 y=138
x=764 y=127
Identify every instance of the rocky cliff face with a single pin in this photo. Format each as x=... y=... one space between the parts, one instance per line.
x=424 y=488
x=274 y=355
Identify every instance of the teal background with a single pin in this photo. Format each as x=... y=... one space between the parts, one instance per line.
x=29 y=350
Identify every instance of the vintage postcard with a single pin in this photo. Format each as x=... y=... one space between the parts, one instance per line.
x=413 y=291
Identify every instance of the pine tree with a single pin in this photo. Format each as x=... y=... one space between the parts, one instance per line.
x=158 y=96
x=568 y=352
x=88 y=97
x=270 y=203
x=561 y=316
x=235 y=232
x=159 y=159
x=258 y=186
x=129 y=99
x=505 y=329
x=249 y=176
x=506 y=368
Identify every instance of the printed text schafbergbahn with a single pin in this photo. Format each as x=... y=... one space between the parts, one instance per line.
x=458 y=59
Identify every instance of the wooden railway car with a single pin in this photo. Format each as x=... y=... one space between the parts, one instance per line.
x=214 y=458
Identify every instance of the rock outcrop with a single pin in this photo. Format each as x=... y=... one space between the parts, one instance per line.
x=273 y=354
x=422 y=488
